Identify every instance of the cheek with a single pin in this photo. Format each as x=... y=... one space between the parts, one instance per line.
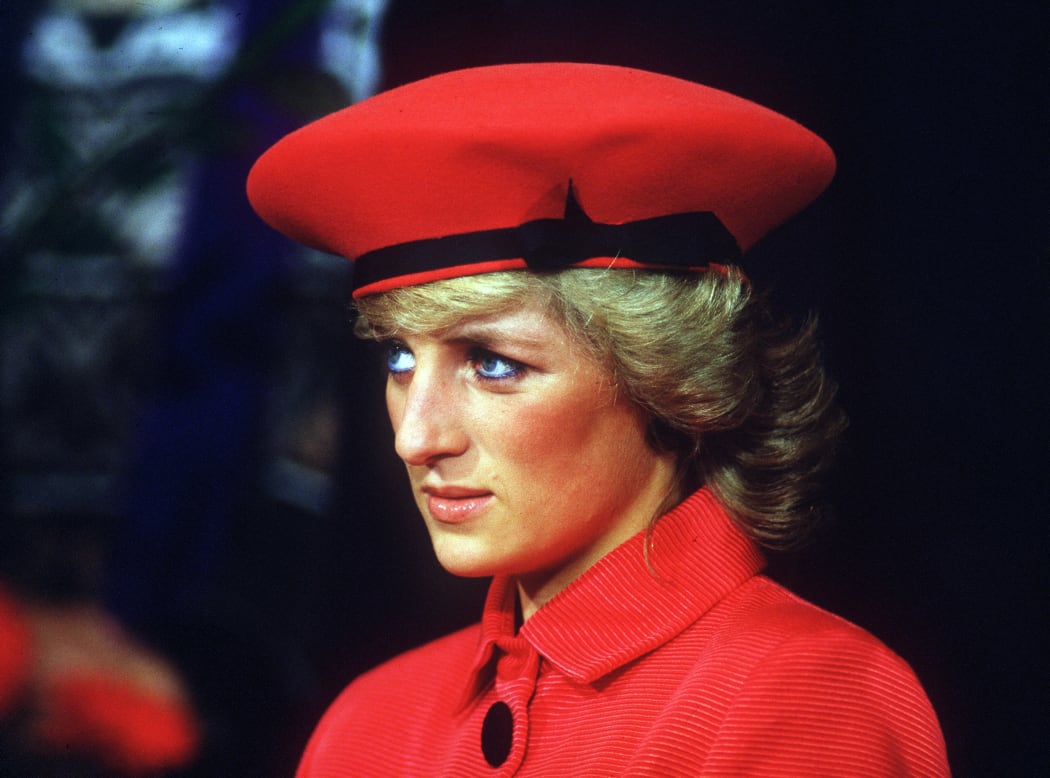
x=394 y=406
x=518 y=449
x=568 y=440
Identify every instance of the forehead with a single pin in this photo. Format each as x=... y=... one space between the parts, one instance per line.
x=474 y=301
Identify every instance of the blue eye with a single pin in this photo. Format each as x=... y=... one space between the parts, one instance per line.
x=494 y=367
x=399 y=359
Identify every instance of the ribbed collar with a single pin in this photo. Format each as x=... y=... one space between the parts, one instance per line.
x=620 y=608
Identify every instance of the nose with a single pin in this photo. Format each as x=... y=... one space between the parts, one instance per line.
x=426 y=418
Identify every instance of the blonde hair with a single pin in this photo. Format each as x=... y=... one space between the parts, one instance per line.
x=739 y=396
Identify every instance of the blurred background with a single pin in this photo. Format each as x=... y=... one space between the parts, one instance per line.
x=204 y=532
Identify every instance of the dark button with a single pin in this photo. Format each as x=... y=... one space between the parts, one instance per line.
x=496 y=734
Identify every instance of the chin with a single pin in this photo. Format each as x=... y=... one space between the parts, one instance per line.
x=466 y=563
x=466 y=569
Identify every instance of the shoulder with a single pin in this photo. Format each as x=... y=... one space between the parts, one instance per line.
x=808 y=677
x=774 y=628
x=415 y=692
x=779 y=638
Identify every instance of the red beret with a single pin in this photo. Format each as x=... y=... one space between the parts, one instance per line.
x=541 y=166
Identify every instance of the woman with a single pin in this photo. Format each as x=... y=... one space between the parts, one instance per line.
x=594 y=409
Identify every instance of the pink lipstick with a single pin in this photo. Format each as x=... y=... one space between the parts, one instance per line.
x=455 y=505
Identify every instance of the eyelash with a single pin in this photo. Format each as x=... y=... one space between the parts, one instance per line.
x=395 y=350
x=479 y=355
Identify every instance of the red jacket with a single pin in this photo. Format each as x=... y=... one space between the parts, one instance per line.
x=692 y=664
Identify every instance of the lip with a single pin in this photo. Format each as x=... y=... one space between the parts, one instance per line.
x=455 y=504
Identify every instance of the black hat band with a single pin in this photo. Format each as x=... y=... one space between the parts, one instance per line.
x=678 y=240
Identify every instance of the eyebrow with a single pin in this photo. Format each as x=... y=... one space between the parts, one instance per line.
x=493 y=334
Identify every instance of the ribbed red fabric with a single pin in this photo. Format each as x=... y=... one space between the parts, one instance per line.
x=696 y=665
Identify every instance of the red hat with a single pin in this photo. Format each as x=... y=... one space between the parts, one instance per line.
x=538 y=166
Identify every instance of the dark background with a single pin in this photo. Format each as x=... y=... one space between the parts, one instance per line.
x=927 y=262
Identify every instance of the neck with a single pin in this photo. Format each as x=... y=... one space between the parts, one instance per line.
x=663 y=493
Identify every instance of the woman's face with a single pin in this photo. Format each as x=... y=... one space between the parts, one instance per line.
x=522 y=456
